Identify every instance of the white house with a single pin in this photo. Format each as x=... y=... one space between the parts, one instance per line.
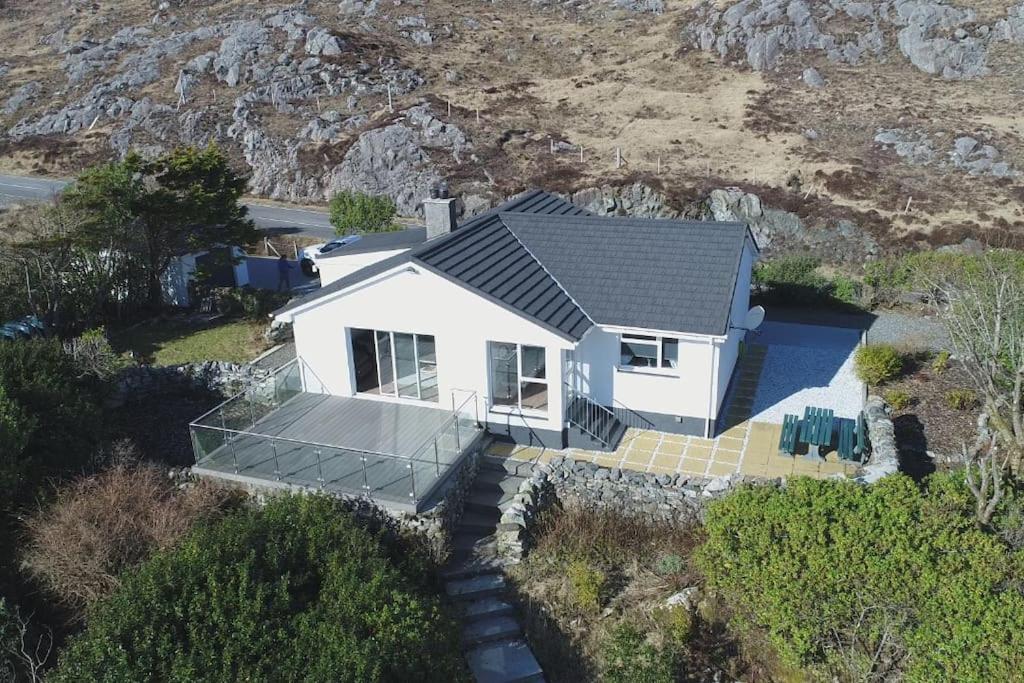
x=568 y=327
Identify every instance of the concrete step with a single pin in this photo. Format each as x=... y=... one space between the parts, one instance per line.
x=473 y=566
x=499 y=463
x=484 y=501
x=497 y=480
x=476 y=587
x=482 y=521
x=486 y=608
x=504 y=661
x=490 y=629
x=473 y=545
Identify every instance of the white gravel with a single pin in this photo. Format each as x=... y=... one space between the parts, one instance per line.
x=807 y=365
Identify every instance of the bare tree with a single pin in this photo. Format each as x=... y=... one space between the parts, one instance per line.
x=985 y=468
x=24 y=651
x=982 y=307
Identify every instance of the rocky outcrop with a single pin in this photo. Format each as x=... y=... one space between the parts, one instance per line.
x=148 y=381
x=936 y=37
x=968 y=154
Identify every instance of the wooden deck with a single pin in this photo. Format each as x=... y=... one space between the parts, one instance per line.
x=345 y=444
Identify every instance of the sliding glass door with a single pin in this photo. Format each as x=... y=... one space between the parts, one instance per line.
x=395 y=364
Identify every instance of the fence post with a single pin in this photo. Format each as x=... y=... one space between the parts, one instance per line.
x=319 y=468
x=277 y=464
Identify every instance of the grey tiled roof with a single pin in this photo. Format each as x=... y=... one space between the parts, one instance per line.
x=486 y=257
x=638 y=272
x=566 y=269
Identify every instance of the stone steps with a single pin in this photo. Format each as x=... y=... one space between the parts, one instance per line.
x=504 y=661
x=474 y=580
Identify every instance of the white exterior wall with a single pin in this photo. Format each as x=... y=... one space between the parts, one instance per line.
x=740 y=305
x=684 y=393
x=461 y=322
x=335 y=267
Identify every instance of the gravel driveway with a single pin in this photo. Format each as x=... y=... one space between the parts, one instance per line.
x=806 y=365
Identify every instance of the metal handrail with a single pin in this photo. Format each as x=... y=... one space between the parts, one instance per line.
x=364 y=451
x=593 y=408
x=231 y=398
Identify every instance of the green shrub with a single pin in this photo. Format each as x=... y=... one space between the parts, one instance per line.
x=877 y=363
x=247 y=301
x=587 y=584
x=836 y=572
x=294 y=591
x=961 y=399
x=629 y=658
x=898 y=399
x=846 y=290
x=361 y=212
x=794 y=279
x=940 y=362
x=55 y=405
x=671 y=564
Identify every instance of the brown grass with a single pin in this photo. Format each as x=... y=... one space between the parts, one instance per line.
x=101 y=525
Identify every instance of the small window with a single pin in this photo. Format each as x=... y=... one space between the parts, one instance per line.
x=643 y=351
x=518 y=376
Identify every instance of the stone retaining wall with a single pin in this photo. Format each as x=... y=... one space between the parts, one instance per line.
x=658 y=497
x=149 y=381
x=882 y=436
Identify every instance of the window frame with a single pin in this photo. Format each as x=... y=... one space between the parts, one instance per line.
x=395 y=391
x=658 y=340
x=520 y=379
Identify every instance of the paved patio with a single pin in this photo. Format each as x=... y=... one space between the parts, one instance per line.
x=769 y=382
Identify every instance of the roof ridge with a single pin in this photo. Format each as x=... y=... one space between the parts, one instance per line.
x=548 y=272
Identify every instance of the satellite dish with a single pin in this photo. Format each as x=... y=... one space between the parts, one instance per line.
x=755 y=316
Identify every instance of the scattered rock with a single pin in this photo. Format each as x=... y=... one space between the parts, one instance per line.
x=813 y=78
x=934 y=36
x=22 y=96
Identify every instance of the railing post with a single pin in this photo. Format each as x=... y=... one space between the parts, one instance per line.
x=366 y=481
x=437 y=462
x=252 y=413
x=277 y=464
x=458 y=437
x=412 y=482
x=319 y=468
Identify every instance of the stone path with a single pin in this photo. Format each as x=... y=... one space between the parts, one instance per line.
x=475 y=581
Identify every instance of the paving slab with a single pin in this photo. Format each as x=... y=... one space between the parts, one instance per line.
x=505 y=661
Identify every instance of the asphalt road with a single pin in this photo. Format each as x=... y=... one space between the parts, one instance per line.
x=271 y=219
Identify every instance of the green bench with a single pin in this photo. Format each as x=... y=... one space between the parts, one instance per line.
x=790 y=429
x=817 y=430
x=852 y=439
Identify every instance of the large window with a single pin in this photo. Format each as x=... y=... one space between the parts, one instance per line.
x=642 y=351
x=395 y=364
x=518 y=376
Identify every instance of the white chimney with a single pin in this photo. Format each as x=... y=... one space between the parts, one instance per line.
x=439 y=213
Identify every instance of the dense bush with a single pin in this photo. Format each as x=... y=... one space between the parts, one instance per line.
x=795 y=280
x=100 y=526
x=877 y=363
x=55 y=406
x=360 y=212
x=247 y=301
x=294 y=591
x=870 y=582
x=917 y=271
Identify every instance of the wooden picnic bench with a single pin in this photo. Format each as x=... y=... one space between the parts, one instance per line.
x=853 y=439
x=817 y=430
x=787 y=440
